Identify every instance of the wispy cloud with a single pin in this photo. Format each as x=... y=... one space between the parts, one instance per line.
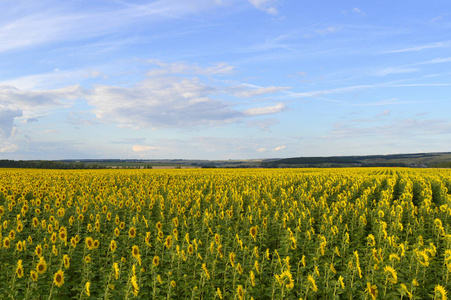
x=395 y=70
x=421 y=47
x=268 y=6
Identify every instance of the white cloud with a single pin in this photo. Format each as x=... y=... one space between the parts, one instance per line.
x=141 y=148
x=265 y=5
x=279 y=148
x=395 y=70
x=422 y=47
x=245 y=92
x=262 y=150
x=183 y=68
x=8 y=147
x=358 y=11
x=265 y=110
x=36 y=102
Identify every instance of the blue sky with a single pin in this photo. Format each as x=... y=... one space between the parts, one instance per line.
x=223 y=79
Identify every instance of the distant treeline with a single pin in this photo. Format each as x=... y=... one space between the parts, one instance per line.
x=446 y=164
x=47 y=164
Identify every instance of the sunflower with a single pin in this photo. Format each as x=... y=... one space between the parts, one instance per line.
x=135 y=252
x=240 y=292
x=232 y=259
x=19 y=246
x=116 y=232
x=19 y=269
x=156 y=261
x=252 y=276
x=41 y=267
x=87 y=286
x=96 y=244
x=440 y=291
x=134 y=281
x=159 y=226
x=58 y=278
x=372 y=290
x=66 y=260
x=312 y=282
x=87 y=259
x=34 y=275
x=253 y=232
x=113 y=245
x=217 y=239
x=168 y=242
x=63 y=234
x=190 y=249
x=391 y=274
x=90 y=243
x=132 y=232
x=38 y=250
x=116 y=270
x=12 y=235
x=35 y=222
x=173 y=283
x=122 y=225
x=286 y=279
x=204 y=267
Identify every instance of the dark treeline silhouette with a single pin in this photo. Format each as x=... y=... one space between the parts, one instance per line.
x=47 y=164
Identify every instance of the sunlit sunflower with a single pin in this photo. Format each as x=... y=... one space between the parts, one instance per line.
x=371 y=290
x=116 y=270
x=190 y=249
x=156 y=261
x=391 y=274
x=41 y=266
x=132 y=232
x=168 y=242
x=6 y=243
x=96 y=244
x=90 y=243
x=58 y=278
x=113 y=245
x=240 y=292
x=253 y=232
x=135 y=252
x=19 y=269
x=312 y=282
x=34 y=275
x=159 y=226
x=440 y=292
x=87 y=286
x=66 y=260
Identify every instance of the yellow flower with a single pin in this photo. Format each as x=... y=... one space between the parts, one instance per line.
x=156 y=261
x=90 y=243
x=253 y=232
x=406 y=291
x=340 y=280
x=391 y=274
x=440 y=292
x=132 y=232
x=87 y=285
x=252 y=276
x=240 y=292
x=168 y=242
x=286 y=279
x=116 y=270
x=218 y=291
x=113 y=245
x=372 y=290
x=134 y=281
x=34 y=275
x=232 y=259
x=19 y=269
x=66 y=260
x=58 y=278
x=204 y=267
x=173 y=283
x=41 y=267
x=312 y=282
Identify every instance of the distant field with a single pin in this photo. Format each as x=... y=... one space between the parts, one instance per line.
x=355 y=233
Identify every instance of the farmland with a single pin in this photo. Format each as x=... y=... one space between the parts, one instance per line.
x=225 y=234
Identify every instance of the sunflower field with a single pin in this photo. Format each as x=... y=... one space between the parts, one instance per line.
x=368 y=233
